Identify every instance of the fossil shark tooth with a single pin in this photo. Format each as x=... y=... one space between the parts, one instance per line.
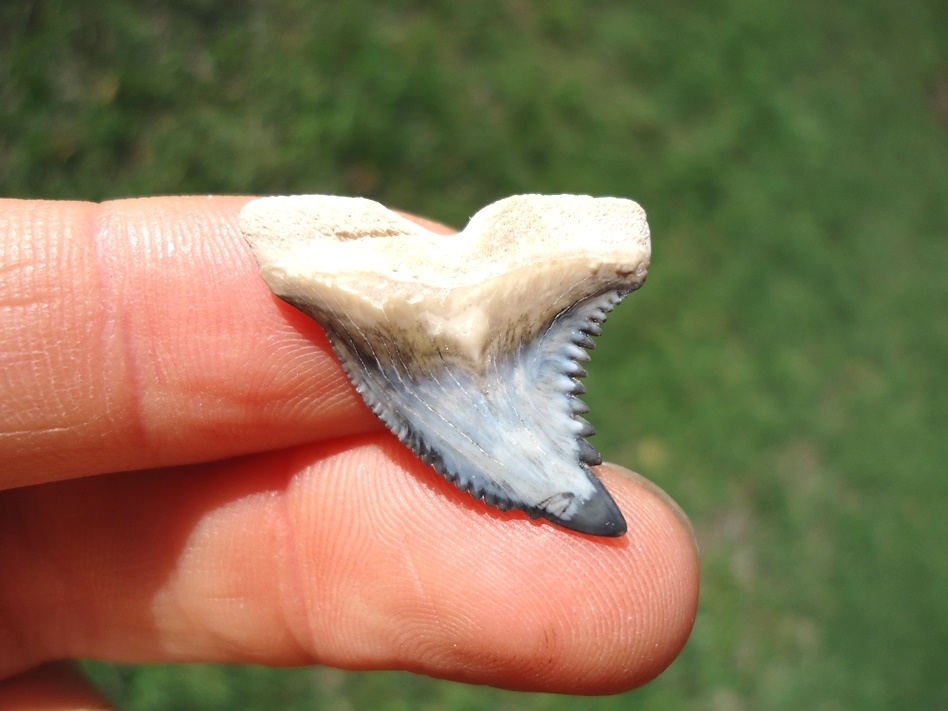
x=469 y=347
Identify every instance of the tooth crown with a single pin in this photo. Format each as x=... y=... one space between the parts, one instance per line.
x=469 y=347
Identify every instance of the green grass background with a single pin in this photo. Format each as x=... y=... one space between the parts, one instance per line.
x=783 y=374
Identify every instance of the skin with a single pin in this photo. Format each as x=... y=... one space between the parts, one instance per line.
x=189 y=476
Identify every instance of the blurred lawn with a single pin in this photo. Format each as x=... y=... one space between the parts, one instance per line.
x=783 y=374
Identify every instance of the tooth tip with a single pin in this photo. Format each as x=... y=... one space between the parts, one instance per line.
x=599 y=515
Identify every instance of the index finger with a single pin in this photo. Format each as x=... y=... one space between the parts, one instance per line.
x=137 y=334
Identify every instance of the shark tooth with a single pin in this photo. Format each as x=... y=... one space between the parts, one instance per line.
x=469 y=347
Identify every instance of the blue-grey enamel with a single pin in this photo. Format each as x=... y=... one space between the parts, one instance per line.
x=511 y=434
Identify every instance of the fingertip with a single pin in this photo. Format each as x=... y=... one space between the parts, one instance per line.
x=669 y=568
x=647 y=488
x=166 y=347
x=465 y=592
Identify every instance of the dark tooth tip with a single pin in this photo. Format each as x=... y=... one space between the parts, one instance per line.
x=587 y=429
x=579 y=407
x=585 y=341
x=578 y=388
x=588 y=453
x=598 y=516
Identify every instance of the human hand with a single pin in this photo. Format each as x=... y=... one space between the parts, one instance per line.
x=187 y=475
